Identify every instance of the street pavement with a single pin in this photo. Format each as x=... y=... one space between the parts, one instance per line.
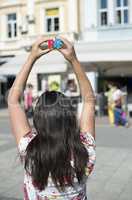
x=111 y=179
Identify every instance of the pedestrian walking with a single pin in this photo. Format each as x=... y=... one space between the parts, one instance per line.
x=71 y=88
x=120 y=117
x=28 y=100
x=110 y=101
x=58 y=154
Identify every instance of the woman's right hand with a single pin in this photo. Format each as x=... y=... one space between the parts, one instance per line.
x=36 y=51
x=68 y=50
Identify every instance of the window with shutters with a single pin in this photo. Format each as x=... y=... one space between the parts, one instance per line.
x=52 y=20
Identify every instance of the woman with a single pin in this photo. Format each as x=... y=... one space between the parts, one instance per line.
x=119 y=114
x=59 y=154
x=109 y=95
x=28 y=100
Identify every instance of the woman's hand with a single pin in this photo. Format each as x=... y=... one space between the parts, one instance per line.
x=68 y=50
x=36 y=51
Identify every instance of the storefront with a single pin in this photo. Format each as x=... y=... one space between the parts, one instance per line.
x=3 y=88
x=111 y=61
x=48 y=71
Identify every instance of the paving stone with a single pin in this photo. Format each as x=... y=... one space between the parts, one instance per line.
x=111 y=179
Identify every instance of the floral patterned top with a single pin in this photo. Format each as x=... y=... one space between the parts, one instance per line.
x=78 y=192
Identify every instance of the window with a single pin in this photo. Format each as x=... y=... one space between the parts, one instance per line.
x=52 y=20
x=122 y=12
x=103 y=12
x=12 y=25
x=118 y=3
x=103 y=3
x=125 y=2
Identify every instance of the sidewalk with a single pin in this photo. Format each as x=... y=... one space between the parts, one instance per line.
x=111 y=179
x=4 y=112
x=99 y=120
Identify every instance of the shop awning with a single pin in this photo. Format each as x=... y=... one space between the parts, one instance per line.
x=50 y=63
x=5 y=59
x=104 y=51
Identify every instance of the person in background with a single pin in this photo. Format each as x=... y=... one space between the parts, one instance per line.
x=71 y=92
x=71 y=88
x=59 y=153
x=28 y=100
x=110 y=102
x=54 y=85
x=119 y=114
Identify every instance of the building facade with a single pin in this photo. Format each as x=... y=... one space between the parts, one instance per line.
x=105 y=44
x=100 y=29
x=21 y=22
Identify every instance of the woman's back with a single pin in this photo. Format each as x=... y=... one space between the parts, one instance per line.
x=60 y=154
x=77 y=192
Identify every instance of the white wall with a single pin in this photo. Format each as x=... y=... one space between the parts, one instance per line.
x=91 y=31
x=72 y=15
x=92 y=76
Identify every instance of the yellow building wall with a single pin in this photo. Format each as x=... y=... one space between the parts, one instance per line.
x=40 y=13
x=20 y=8
x=12 y=46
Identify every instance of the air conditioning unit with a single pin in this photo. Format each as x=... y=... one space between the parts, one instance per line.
x=24 y=29
x=30 y=19
x=27 y=48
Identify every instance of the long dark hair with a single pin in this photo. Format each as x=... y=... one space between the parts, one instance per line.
x=57 y=143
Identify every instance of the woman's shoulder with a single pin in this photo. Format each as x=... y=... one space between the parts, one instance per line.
x=25 y=140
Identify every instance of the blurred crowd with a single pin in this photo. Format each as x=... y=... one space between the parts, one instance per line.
x=113 y=102
x=30 y=99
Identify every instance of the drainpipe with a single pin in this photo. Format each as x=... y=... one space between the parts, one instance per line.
x=31 y=17
x=72 y=17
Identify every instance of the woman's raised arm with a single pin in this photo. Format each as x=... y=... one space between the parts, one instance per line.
x=87 y=120
x=19 y=122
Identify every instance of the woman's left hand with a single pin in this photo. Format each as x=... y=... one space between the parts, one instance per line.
x=36 y=51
